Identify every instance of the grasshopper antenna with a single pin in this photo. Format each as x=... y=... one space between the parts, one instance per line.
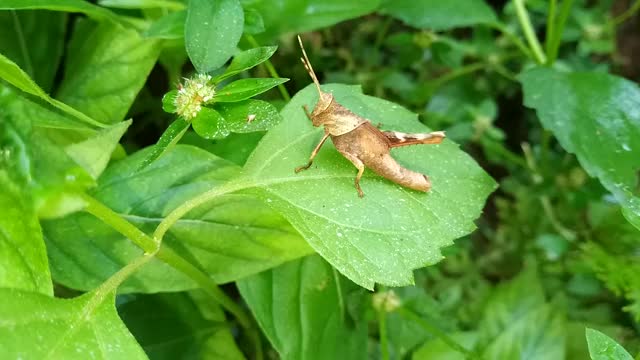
x=307 y=65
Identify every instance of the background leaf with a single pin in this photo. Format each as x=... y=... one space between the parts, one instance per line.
x=170 y=26
x=305 y=15
x=300 y=306
x=23 y=257
x=36 y=326
x=439 y=15
x=383 y=237
x=34 y=41
x=180 y=325
x=212 y=32
x=602 y=347
x=232 y=237
x=106 y=67
x=596 y=117
x=74 y=6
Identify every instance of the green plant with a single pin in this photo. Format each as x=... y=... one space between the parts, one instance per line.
x=149 y=206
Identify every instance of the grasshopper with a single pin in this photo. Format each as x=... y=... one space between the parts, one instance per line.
x=361 y=142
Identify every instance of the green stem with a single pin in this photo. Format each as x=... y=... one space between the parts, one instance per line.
x=513 y=37
x=551 y=22
x=408 y=314
x=192 y=203
x=565 y=10
x=171 y=258
x=529 y=34
x=271 y=69
x=627 y=14
x=382 y=328
x=467 y=69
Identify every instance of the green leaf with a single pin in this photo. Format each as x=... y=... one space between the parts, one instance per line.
x=519 y=323
x=73 y=6
x=302 y=16
x=246 y=60
x=232 y=237
x=595 y=116
x=212 y=32
x=54 y=179
x=439 y=15
x=143 y=4
x=94 y=153
x=244 y=89
x=602 y=347
x=44 y=33
x=169 y=101
x=438 y=349
x=106 y=67
x=167 y=141
x=36 y=326
x=23 y=257
x=253 y=22
x=180 y=323
x=170 y=26
x=300 y=306
x=210 y=124
x=249 y=116
x=391 y=231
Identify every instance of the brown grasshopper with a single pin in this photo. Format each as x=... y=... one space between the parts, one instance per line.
x=362 y=143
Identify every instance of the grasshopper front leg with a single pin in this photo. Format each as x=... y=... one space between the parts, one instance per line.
x=313 y=154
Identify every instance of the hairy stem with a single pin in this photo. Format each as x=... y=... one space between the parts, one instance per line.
x=551 y=27
x=565 y=10
x=152 y=247
x=627 y=14
x=527 y=29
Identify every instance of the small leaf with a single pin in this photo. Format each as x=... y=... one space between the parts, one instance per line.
x=35 y=326
x=168 y=27
x=602 y=347
x=232 y=237
x=106 y=67
x=249 y=116
x=369 y=240
x=23 y=257
x=167 y=140
x=596 y=117
x=94 y=153
x=253 y=22
x=169 y=101
x=246 y=60
x=439 y=15
x=244 y=89
x=210 y=124
x=300 y=305
x=212 y=32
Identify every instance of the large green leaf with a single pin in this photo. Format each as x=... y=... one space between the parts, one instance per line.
x=230 y=238
x=602 y=347
x=74 y=6
x=596 y=117
x=35 y=326
x=212 y=32
x=23 y=257
x=106 y=67
x=282 y=16
x=439 y=15
x=383 y=237
x=180 y=323
x=300 y=306
x=34 y=41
